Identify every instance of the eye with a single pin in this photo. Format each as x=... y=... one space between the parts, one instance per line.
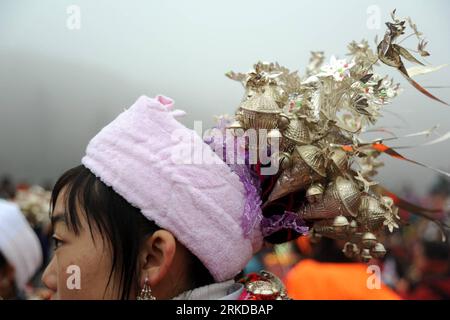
x=57 y=242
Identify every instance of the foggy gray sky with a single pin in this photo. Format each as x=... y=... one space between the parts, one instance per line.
x=58 y=86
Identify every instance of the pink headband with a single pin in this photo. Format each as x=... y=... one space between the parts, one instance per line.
x=140 y=156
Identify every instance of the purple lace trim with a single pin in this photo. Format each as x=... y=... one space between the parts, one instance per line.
x=227 y=149
x=252 y=214
x=288 y=220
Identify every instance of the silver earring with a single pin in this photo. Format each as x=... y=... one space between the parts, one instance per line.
x=146 y=292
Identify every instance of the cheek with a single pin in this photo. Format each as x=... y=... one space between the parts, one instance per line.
x=83 y=270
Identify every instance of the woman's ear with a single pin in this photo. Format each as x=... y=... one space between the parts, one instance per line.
x=156 y=257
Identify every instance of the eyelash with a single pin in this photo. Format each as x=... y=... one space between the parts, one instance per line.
x=56 y=243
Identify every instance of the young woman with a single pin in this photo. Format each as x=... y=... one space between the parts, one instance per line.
x=139 y=220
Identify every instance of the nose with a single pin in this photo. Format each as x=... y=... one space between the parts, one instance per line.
x=49 y=277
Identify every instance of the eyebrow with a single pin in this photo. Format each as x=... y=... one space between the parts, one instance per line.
x=58 y=218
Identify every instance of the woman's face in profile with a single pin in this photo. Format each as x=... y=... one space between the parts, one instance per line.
x=81 y=264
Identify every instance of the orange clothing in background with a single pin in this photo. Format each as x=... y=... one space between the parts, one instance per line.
x=313 y=280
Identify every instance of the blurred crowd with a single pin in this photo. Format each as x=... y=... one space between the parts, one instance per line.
x=416 y=266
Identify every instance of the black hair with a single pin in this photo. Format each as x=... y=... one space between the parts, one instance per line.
x=7 y=188
x=3 y=261
x=122 y=224
x=14 y=293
